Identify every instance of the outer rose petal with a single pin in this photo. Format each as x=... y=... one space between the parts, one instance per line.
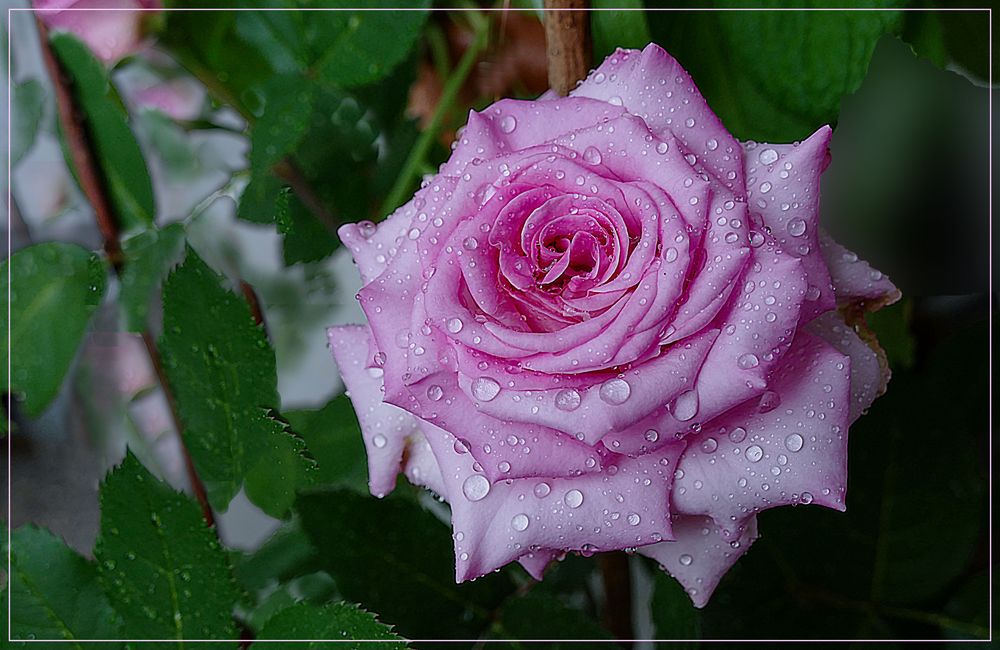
x=700 y=555
x=869 y=374
x=110 y=35
x=783 y=192
x=537 y=562
x=384 y=427
x=496 y=524
x=747 y=461
x=854 y=280
x=654 y=86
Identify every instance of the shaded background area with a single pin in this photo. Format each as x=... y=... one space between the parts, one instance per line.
x=907 y=189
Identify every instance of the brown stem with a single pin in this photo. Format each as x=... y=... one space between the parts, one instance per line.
x=253 y=302
x=567 y=43
x=79 y=146
x=94 y=188
x=617 y=613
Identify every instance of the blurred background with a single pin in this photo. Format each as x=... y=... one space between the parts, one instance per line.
x=249 y=136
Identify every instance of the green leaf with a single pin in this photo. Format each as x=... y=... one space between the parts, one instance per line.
x=118 y=153
x=56 y=594
x=359 y=47
x=288 y=553
x=288 y=105
x=305 y=238
x=535 y=616
x=258 y=201
x=161 y=565
x=394 y=557
x=222 y=372
x=339 y=622
x=674 y=617
x=26 y=117
x=774 y=75
x=54 y=290
x=333 y=436
x=613 y=29
x=148 y=256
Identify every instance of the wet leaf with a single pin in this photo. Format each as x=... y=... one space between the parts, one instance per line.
x=56 y=594
x=162 y=567
x=54 y=290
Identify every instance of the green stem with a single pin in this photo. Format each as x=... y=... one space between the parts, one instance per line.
x=415 y=161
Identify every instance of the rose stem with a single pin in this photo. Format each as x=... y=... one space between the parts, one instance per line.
x=415 y=159
x=92 y=184
x=567 y=43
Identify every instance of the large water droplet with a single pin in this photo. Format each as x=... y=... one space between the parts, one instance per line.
x=574 y=498
x=508 y=124
x=651 y=435
x=685 y=559
x=455 y=325
x=767 y=156
x=476 y=487
x=797 y=227
x=748 y=361
x=615 y=391
x=592 y=155
x=542 y=490
x=379 y=441
x=519 y=522
x=633 y=519
x=568 y=399
x=793 y=442
x=434 y=392
x=485 y=389
x=708 y=445
x=754 y=453
x=738 y=434
x=685 y=406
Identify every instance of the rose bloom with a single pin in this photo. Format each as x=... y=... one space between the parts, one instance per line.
x=110 y=35
x=606 y=324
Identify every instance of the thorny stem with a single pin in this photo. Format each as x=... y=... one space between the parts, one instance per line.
x=93 y=186
x=415 y=160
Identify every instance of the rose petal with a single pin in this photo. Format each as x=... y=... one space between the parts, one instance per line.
x=496 y=524
x=384 y=427
x=535 y=563
x=869 y=377
x=699 y=556
x=654 y=86
x=854 y=280
x=746 y=461
x=783 y=194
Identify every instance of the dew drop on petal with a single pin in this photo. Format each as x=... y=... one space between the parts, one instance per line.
x=685 y=406
x=709 y=445
x=797 y=227
x=574 y=498
x=754 y=453
x=434 y=392
x=748 y=361
x=519 y=522
x=485 y=389
x=476 y=487
x=739 y=434
x=768 y=156
x=592 y=155
x=455 y=325
x=615 y=391
x=633 y=519
x=568 y=399
x=542 y=490
x=685 y=559
x=794 y=442
x=379 y=441
x=508 y=124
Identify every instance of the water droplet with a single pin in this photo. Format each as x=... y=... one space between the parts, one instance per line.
x=689 y=122
x=519 y=522
x=470 y=243
x=685 y=559
x=455 y=325
x=768 y=156
x=685 y=405
x=633 y=519
x=739 y=434
x=652 y=435
x=568 y=399
x=574 y=498
x=615 y=391
x=768 y=401
x=508 y=124
x=476 y=487
x=709 y=445
x=806 y=498
x=504 y=466
x=756 y=239
x=592 y=155
x=662 y=148
x=748 y=360
x=712 y=144
x=793 y=442
x=670 y=254
x=542 y=490
x=379 y=441
x=754 y=453
x=485 y=389
x=434 y=392
x=797 y=227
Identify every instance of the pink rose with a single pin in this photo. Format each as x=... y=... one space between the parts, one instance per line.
x=606 y=324
x=110 y=35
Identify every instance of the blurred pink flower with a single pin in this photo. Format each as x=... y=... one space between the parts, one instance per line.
x=111 y=35
x=181 y=98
